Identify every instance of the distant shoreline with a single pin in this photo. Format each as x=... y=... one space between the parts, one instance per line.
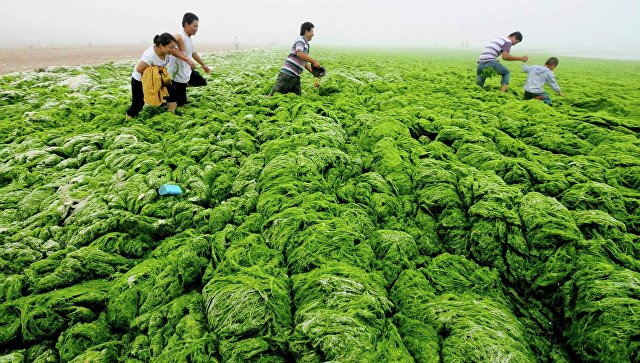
x=28 y=59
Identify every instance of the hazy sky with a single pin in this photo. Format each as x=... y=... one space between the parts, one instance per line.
x=567 y=25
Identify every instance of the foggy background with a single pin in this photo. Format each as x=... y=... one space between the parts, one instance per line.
x=569 y=27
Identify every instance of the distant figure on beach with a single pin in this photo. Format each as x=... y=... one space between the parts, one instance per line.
x=181 y=65
x=298 y=60
x=155 y=55
x=537 y=76
x=236 y=43
x=488 y=58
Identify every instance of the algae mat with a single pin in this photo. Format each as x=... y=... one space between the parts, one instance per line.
x=396 y=213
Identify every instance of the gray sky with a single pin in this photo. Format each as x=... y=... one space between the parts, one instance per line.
x=579 y=26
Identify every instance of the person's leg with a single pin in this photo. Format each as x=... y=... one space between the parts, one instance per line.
x=285 y=84
x=279 y=84
x=196 y=80
x=505 y=73
x=295 y=86
x=480 y=79
x=546 y=98
x=137 y=98
x=171 y=99
x=180 y=93
x=289 y=84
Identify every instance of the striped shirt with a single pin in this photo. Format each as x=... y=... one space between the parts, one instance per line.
x=494 y=49
x=293 y=65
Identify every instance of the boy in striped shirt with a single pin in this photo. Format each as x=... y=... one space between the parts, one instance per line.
x=299 y=59
x=488 y=58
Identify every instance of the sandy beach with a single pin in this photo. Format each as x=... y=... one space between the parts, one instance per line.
x=26 y=59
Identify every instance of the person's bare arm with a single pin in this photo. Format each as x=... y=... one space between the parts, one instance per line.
x=141 y=67
x=508 y=57
x=196 y=56
x=307 y=58
x=178 y=52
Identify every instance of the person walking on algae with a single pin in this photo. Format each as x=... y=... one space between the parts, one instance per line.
x=156 y=55
x=236 y=43
x=298 y=60
x=488 y=59
x=181 y=66
x=537 y=76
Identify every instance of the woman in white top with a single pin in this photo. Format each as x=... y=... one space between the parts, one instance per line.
x=155 y=55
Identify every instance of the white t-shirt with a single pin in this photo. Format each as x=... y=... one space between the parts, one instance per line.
x=179 y=69
x=151 y=58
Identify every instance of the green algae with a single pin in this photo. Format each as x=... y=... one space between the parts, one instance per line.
x=397 y=213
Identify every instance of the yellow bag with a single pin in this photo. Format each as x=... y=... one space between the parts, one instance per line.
x=154 y=82
x=166 y=79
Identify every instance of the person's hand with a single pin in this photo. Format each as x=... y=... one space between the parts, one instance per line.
x=316 y=64
x=206 y=68
x=191 y=64
x=561 y=94
x=525 y=58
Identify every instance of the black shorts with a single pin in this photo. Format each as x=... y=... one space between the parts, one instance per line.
x=196 y=80
x=137 y=97
x=287 y=84
x=529 y=95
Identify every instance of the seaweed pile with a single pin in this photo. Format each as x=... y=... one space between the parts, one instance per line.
x=396 y=213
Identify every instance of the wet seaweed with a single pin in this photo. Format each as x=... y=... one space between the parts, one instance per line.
x=395 y=213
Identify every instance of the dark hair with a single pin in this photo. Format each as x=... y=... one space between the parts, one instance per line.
x=305 y=26
x=189 y=18
x=516 y=34
x=553 y=61
x=164 y=39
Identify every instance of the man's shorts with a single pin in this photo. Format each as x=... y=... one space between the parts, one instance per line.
x=286 y=84
x=196 y=80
